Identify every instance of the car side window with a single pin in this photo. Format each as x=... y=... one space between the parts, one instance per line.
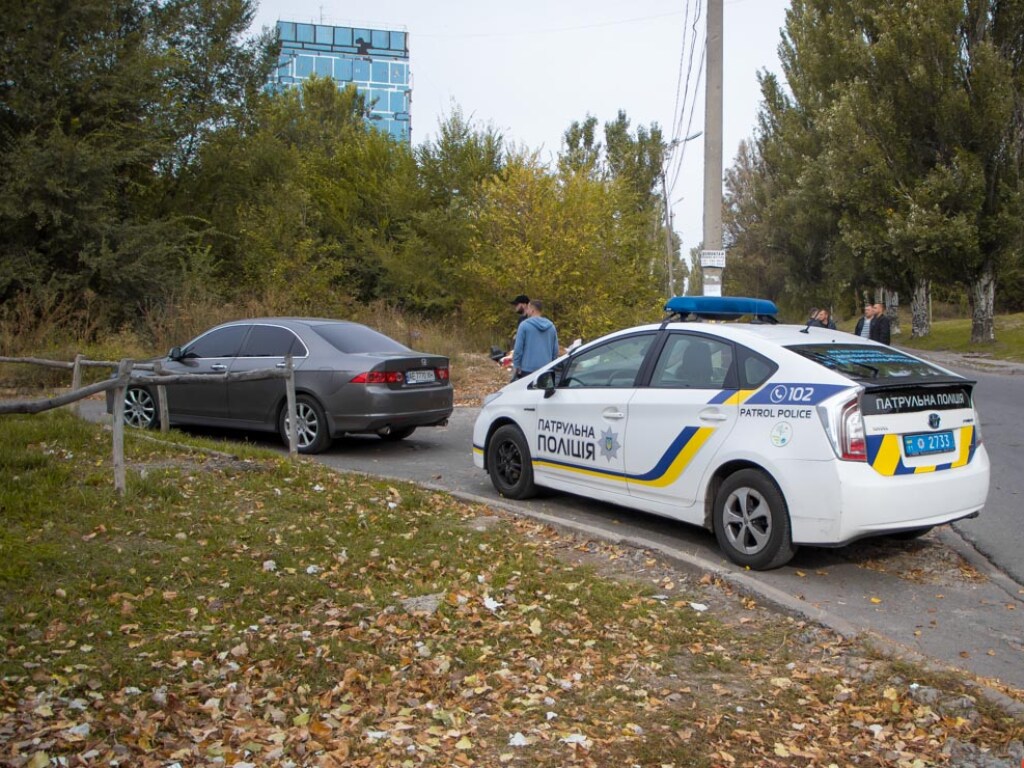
x=755 y=369
x=615 y=364
x=272 y=341
x=694 y=362
x=222 y=342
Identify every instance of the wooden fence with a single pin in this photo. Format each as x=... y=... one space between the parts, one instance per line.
x=126 y=375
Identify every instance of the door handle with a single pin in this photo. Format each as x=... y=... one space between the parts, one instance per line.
x=218 y=367
x=281 y=365
x=712 y=414
x=610 y=413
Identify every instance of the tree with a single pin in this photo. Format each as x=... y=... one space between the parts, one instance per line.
x=86 y=96
x=563 y=238
x=896 y=159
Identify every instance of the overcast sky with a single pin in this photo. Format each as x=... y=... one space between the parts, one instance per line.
x=531 y=67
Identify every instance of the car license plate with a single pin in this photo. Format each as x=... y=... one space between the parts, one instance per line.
x=928 y=442
x=419 y=377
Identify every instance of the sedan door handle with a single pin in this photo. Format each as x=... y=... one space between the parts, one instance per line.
x=281 y=365
x=218 y=367
x=610 y=413
x=713 y=414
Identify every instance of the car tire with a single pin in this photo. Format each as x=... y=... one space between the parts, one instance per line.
x=752 y=522
x=313 y=433
x=509 y=463
x=394 y=435
x=140 y=409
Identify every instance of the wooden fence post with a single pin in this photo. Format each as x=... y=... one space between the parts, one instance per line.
x=161 y=398
x=76 y=383
x=293 y=416
x=123 y=370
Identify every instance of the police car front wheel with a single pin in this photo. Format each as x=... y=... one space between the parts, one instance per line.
x=752 y=522
x=509 y=463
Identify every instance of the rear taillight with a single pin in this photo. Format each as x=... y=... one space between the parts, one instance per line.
x=379 y=377
x=441 y=374
x=851 y=433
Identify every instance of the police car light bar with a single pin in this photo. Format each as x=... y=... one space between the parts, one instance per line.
x=722 y=308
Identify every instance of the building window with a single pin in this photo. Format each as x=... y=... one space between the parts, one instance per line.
x=324 y=35
x=343 y=70
x=324 y=66
x=361 y=71
x=397 y=41
x=398 y=74
x=286 y=29
x=304 y=33
x=379 y=71
x=343 y=35
x=303 y=66
x=398 y=101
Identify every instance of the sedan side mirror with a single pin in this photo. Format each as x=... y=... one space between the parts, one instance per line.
x=175 y=353
x=546 y=381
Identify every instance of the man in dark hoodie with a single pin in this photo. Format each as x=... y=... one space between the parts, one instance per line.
x=536 y=341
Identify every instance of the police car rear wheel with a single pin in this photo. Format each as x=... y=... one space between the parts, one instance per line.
x=509 y=465
x=752 y=522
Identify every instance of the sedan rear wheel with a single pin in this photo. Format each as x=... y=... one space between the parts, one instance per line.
x=139 y=408
x=752 y=521
x=509 y=463
x=313 y=432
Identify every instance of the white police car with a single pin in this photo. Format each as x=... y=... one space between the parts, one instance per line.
x=770 y=435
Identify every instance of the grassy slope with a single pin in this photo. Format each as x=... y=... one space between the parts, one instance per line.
x=246 y=608
x=955 y=336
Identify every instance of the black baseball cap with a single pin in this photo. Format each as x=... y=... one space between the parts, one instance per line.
x=522 y=298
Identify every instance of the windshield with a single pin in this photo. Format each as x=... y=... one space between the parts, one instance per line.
x=353 y=338
x=869 y=363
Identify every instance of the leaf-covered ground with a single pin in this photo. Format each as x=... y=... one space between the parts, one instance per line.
x=246 y=611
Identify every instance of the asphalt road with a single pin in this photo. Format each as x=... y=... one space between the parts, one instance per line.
x=936 y=600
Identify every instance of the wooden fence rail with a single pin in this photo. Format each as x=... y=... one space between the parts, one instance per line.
x=124 y=377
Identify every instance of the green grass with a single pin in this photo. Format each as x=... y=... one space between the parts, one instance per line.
x=955 y=336
x=154 y=624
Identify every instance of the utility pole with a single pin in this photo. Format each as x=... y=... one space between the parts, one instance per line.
x=712 y=257
x=670 y=255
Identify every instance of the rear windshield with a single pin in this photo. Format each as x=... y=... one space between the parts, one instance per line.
x=869 y=363
x=353 y=338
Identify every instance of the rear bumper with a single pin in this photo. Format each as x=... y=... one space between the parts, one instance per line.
x=374 y=422
x=844 y=501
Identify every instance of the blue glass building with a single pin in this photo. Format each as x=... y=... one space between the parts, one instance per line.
x=376 y=61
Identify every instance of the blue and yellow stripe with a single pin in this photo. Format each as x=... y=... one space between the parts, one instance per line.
x=886 y=457
x=665 y=472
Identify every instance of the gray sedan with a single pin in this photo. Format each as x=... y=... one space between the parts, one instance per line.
x=348 y=379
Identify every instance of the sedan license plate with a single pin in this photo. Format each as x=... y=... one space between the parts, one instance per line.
x=925 y=443
x=419 y=377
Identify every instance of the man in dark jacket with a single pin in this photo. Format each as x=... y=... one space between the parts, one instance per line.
x=880 y=330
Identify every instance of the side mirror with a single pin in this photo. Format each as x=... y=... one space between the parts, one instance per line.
x=175 y=353
x=546 y=381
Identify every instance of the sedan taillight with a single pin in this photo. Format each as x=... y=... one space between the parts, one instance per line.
x=441 y=374
x=852 y=446
x=379 y=377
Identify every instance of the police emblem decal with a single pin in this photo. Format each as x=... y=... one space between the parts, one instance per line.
x=610 y=444
x=934 y=420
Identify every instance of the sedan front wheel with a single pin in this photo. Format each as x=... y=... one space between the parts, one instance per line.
x=139 y=408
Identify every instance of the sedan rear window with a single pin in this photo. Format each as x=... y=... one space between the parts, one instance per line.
x=866 y=363
x=353 y=338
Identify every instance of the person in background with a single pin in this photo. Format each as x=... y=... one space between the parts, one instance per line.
x=812 y=318
x=536 y=341
x=824 y=318
x=880 y=328
x=863 y=327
